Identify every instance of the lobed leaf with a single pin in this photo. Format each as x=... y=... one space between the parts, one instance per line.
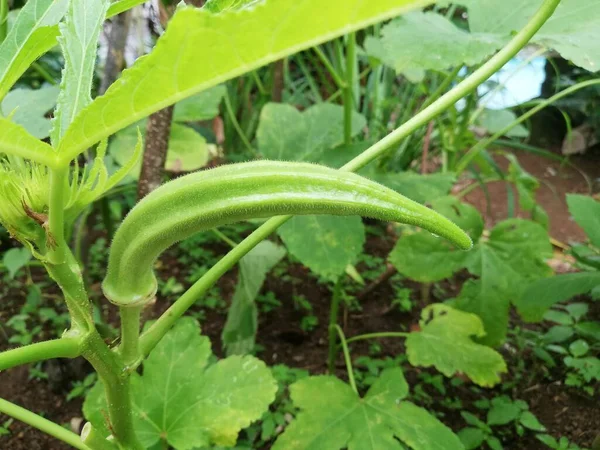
x=237 y=192
x=200 y=50
x=28 y=108
x=381 y=420
x=16 y=141
x=445 y=343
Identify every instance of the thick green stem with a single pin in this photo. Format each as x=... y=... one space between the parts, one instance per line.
x=116 y=383
x=349 y=105
x=168 y=319
x=57 y=348
x=42 y=424
x=130 y=335
x=333 y=317
x=55 y=229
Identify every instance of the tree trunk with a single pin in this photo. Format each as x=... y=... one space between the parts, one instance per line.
x=155 y=151
x=115 y=59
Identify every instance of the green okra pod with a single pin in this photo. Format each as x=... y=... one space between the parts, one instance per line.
x=236 y=192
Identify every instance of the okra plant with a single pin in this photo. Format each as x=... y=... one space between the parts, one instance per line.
x=180 y=400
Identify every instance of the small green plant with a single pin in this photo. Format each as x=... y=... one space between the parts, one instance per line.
x=558 y=444
x=502 y=411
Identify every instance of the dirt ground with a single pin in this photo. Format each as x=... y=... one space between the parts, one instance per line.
x=563 y=411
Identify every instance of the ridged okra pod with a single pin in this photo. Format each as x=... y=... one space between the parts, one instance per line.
x=232 y=193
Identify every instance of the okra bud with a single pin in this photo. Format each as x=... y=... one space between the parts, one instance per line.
x=237 y=192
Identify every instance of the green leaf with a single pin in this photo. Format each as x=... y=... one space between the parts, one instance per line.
x=420 y=188
x=15 y=259
x=188 y=150
x=577 y=310
x=503 y=411
x=79 y=34
x=558 y=317
x=505 y=264
x=325 y=244
x=528 y=420
x=182 y=401
x=32 y=35
x=495 y=120
x=232 y=43
x=586 y=212
x=441 y=44
x=548 y=440
x=541 y=295
x=572 y=31
x=589 y=330
x=558 y=334
x=15 y=140
x=418 y=255
x=241 y=326
x=579 y=348
x=202 y=106
x=29 y=108
x=286 y=134
x=334 y=417
x=471 y=438
x=217 y=6
x=445 y=343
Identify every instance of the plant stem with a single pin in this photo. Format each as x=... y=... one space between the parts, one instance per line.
x=339 y=81
x=3 y=19
x=57 y=348
x=90 y=436
x=333 y=317
x=387 y=334
x=168 y=319
x=346 y=357
x=483 y=144
x=236 y=124
x=42 y=424
x=130 y=335
x=55 y=232
x=349 y=87
x=116 y=382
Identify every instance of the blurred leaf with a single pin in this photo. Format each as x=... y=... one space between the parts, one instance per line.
x=471 y=438
x=240 y=329
x=15 y=259
x=202 y=106
x=589 y=330
x=445 y=343
x=558 y=317
x=325 y=244
x=217 y=6
x=540 y=295
x=586 y=212
x=286 y=134
x=32 y=34
x=332 y=416
x=558 y=334
x=30 y=108
x=496 y=120
x=579 y=348
x=503 y=411
x=528 y=420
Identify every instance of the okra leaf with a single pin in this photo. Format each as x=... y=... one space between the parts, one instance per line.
x=325 y=244
x=441 y=44
x=29 y=108
x=539 y=296
x=332 y=417
x=241 y=326
x=417 y=255
x=15 y=140
x=286 y=134
x=445 y=342
x=586 y=212
x=184 y=401
x=201 y=49
x=78 y=39
x=505 y=265
x=33 y=34
x=572 y=31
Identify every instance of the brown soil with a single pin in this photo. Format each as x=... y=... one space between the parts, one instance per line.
x=564 y=411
